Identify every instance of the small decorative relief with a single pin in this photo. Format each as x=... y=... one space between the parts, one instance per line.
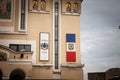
x=71 y=46
x=43 y=5
x=68 y=7
x=39 y=6
x=3 y=56
x=35 y=4
x=75 y=9
x=71 y=7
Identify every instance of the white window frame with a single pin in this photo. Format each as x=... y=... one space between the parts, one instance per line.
x=6 y=42
x=26 y=16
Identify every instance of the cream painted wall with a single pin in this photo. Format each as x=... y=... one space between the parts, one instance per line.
x=38 y=22
x=8 y=68
x=43 y=22
x=70 y=24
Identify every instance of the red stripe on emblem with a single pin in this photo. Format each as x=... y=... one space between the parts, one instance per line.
x=71 y=56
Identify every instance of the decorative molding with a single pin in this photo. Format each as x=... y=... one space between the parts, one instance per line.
x=7 y=48
x=76 y=14
x=19 y=61
x=3 y=56
x=43 y=65
x=6 y=29
x=40 y=12
x=27 y=77
x=5 y=77
x=71 y=14
x=14 y=33
x=72 y=65
x=3 y=20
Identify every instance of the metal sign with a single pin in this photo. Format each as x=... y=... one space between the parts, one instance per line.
x=44 y=46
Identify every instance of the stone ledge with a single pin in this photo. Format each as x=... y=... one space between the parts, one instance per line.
x=42 y=65
x=72 y=65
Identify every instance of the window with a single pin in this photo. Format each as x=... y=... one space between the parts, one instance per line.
x=56 y=25
x=28 y=48
x=13 y=47
x=20 y=47
x=22 y=14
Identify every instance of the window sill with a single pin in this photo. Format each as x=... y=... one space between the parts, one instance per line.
x=66 y=13
x=43 y=65
x=72 y=65
x=41 y=12
x=76 y=14
x=20 y=33
x=72 y=14
x=19 y=60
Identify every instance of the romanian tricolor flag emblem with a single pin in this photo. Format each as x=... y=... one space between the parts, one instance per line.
x=71 y=52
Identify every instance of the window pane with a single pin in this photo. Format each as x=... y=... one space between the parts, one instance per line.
x=21 y=48
x=56 y=34
x=27 y=48
x=22 y=22
x=23 y=6
x=23 y=15
x=13 y=47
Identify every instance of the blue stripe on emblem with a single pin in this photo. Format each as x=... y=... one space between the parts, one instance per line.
x=70 y=37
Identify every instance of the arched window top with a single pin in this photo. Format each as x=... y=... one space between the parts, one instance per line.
x=56 y=4
x=17 y=73
x=43 y=5
x=68 y=7
x=35 y=4
x=75 y=9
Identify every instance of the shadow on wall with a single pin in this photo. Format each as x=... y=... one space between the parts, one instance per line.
x=1 y=74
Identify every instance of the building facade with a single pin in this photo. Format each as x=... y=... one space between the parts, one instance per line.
x=40 y=39
x=111 y=74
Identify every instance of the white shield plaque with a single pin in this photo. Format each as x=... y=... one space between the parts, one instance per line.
x=44 y=46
